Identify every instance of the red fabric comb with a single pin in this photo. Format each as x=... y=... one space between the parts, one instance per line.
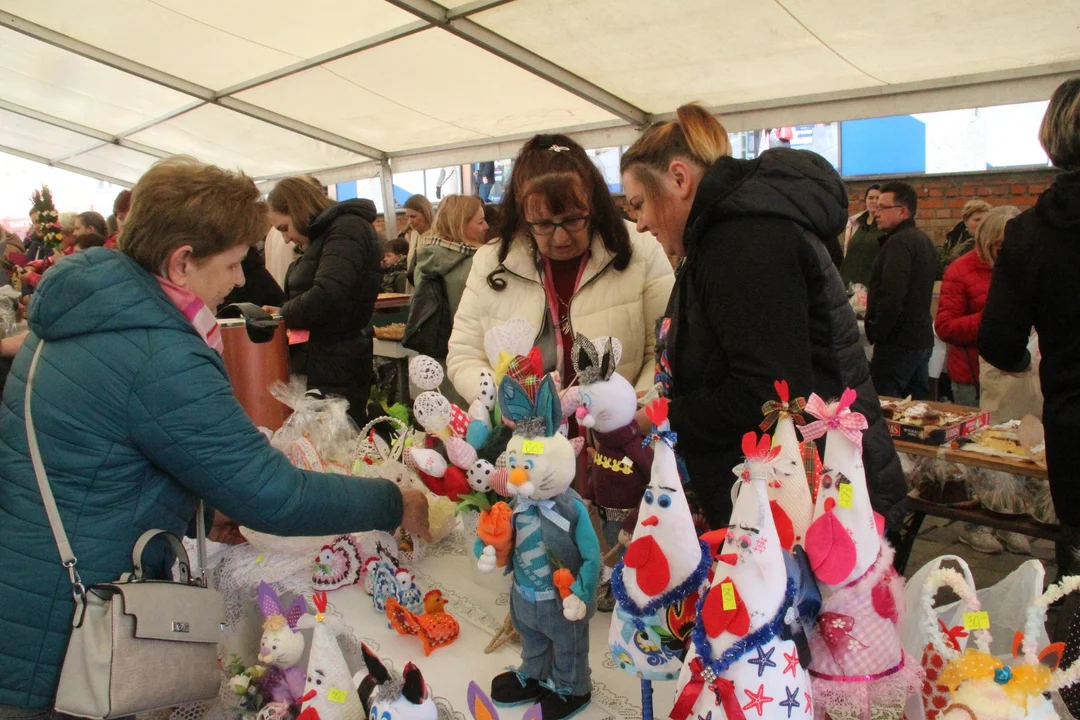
x=759 y=450
x=319 y=599
x=537 y=361
x=782 y=390
x=657 y=411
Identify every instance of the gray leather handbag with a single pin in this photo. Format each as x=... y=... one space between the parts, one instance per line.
x=136 y=645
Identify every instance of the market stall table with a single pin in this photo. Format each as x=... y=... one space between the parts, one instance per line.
x=1023 y=524
x=479 y=609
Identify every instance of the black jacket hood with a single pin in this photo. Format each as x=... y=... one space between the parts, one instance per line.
x=360 y=207
x=1060 y=204
x=798 y=185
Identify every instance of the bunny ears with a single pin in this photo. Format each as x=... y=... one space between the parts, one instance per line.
x=531 y=403
x=595 y=361
x=482 y=708
x=274 y=613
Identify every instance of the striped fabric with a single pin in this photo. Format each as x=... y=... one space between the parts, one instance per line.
x=195 y=311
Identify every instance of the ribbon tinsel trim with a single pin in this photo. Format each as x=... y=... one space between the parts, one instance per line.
x=757 y=638
x=679 y=592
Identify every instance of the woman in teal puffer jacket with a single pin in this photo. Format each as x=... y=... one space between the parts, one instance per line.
x=136 y=420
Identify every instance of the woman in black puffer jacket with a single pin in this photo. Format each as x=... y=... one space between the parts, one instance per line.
x=757 y=299
x=330 y=290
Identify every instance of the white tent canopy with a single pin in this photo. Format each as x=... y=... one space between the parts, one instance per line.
x=346 y=89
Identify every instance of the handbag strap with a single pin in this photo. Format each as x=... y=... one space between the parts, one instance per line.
x=63 y=545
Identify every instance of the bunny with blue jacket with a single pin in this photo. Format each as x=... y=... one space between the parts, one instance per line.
x=545 y=539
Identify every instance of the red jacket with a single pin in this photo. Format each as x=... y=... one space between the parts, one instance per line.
x=963 y=296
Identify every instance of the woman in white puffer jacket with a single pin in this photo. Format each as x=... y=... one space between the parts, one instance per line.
x=568 y=263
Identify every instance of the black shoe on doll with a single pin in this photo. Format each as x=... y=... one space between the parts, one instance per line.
x=507 y=690
x=560 y=707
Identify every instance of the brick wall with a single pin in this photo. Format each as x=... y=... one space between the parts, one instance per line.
x=942 y=197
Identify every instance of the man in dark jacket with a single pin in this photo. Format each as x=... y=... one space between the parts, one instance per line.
x=759 y=299
x=898 y=320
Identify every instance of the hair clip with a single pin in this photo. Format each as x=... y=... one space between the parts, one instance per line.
x=559 y=148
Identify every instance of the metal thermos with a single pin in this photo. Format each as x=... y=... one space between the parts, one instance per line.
x=256 y=355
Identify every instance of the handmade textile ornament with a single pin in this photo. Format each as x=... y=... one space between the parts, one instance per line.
x=743 y=659
x=982 y=686
x=789 y=494
x=481 y=707
x=656 y=584
x=340 y=564
x=552 y=551
x=391 y=581
x=281 y=647
x=607 y=403
x=425 y=373
x=435 y=627
x=388 y=695
x=433 y=412
x=329 y=692
x=858 y=666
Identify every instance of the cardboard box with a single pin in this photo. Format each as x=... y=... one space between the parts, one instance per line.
x=940 y=434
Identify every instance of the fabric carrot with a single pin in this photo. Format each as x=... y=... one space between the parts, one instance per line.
x=563 y=579
x=496 y=529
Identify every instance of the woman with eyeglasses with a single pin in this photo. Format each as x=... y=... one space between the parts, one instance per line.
x=567 y=262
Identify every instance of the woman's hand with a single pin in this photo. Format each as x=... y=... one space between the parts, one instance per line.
x=271 y=309
x=643 y=422
x=9 y=346
x=414 y=514
x=225 y=530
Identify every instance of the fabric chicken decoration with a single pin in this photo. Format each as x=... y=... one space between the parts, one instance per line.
x=741 y=664
x=656 y=584
x=340 y=564
x=789 y=493
x=859 y=667
x=435 y=627
x=329 y=693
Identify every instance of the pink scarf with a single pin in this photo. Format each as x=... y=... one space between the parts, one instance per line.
x=195 y=311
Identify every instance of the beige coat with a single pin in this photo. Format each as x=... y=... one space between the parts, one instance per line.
x=625 y=305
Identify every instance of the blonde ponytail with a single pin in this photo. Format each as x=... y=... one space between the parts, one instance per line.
x=696 y=136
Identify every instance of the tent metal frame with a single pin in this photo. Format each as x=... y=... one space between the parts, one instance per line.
x=1019 y=85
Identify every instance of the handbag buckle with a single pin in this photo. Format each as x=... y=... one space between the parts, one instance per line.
x=78 y=590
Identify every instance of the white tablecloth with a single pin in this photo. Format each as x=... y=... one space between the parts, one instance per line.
x=480 y=611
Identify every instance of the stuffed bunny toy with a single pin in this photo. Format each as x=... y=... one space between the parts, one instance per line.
x=281 y=647
x=607 y=403
x=388 y=695
x=545 y=538
x=481 y=707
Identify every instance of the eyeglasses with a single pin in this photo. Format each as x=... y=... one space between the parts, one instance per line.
x=545 y=228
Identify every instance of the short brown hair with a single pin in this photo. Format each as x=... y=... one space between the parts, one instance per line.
x=992 y=232
x=181 y=201
x=301 y=199
x=122 y=203
x=89 y=240
x=973 y=207
x=455 y=212
x=1059 y=133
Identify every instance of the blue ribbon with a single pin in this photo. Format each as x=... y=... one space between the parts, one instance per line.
x=670 y=438
x=545 y=508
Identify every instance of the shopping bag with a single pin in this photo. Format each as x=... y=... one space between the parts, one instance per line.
x=915 y=636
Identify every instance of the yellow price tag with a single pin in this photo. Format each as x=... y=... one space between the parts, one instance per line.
x=337 y=695
x=977 y=620
x=260 y=559
x=847 y=495
x=727 y=593
x=532 y=447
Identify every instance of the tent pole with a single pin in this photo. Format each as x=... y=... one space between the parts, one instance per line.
x=386 y=176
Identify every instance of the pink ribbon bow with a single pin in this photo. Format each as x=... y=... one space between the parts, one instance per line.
x=836 y=630
x=851 y=424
